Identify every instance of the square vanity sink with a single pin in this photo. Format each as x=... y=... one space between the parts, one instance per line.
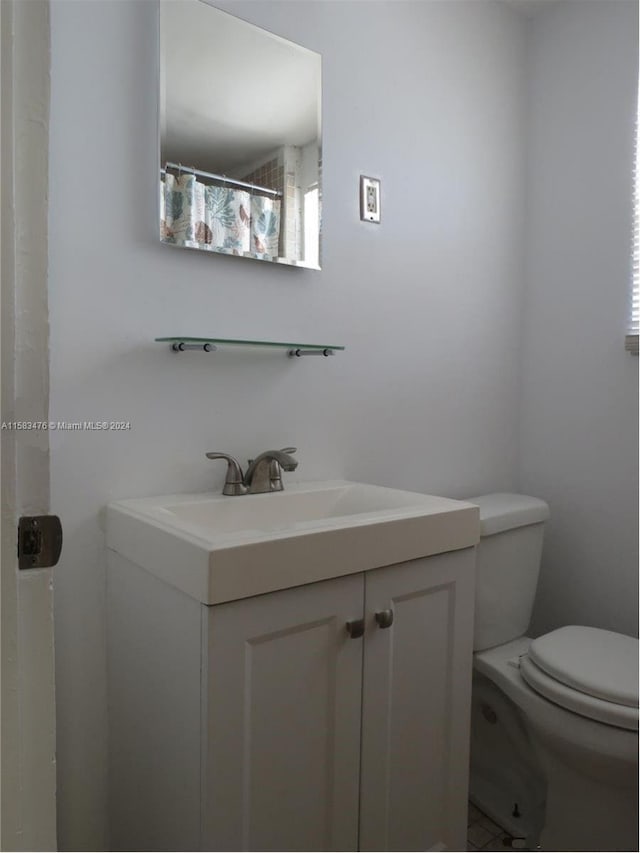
x=216 y=548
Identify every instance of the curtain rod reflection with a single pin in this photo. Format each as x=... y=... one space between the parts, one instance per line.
x=215 y=177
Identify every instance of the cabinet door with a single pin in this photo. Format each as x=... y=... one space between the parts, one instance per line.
x=282 y=720
x=416 y=700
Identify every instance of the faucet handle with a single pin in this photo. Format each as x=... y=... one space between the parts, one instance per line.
x=234 y=481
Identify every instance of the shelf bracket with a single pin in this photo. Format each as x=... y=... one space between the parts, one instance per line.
x=297 y=353
x=180 y=346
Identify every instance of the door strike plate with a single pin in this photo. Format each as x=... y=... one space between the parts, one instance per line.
x=39 y=541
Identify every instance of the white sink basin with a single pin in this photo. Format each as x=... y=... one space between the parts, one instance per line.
x=217 y=548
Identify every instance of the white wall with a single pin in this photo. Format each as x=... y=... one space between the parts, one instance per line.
x=579 y=438
x=427 y=303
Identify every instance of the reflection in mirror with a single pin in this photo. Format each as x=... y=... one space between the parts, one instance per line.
x=240 y=139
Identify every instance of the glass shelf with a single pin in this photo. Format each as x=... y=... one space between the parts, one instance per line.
x=181 y=344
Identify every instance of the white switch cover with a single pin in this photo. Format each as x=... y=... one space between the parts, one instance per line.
x=369 y=199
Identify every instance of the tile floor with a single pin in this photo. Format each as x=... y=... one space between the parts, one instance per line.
x=484 y=834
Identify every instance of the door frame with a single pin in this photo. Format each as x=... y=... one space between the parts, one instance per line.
x=27 y=730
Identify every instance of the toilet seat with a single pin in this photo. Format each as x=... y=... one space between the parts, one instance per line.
x=601 y=663
x=589 y=671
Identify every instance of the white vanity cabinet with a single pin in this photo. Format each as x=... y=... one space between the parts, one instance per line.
x=261 y=724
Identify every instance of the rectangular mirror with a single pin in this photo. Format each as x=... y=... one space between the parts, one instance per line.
x=240 y=138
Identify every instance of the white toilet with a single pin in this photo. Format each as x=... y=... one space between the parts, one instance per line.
x=554 y=729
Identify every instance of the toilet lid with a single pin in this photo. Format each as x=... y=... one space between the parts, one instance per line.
x=588 y=670
x=601 y=663
x=610 y=713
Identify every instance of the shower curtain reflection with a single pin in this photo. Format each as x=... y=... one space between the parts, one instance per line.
x=218 y=218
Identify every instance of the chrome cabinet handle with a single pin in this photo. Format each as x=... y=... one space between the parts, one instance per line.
x=384 y=618
x=355 y=628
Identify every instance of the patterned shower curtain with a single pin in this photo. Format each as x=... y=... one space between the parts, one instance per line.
x=219 y=218
x=265 y=225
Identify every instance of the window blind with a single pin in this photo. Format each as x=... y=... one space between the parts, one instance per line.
x=631 y=341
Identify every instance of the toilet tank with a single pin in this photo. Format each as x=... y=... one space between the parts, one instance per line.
x=507 y=566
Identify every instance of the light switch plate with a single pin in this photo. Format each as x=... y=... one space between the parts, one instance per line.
x=369 y=199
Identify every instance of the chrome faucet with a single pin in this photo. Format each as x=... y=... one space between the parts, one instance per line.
x=264 y=473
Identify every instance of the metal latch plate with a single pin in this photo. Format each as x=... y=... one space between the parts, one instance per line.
x=39 y=541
